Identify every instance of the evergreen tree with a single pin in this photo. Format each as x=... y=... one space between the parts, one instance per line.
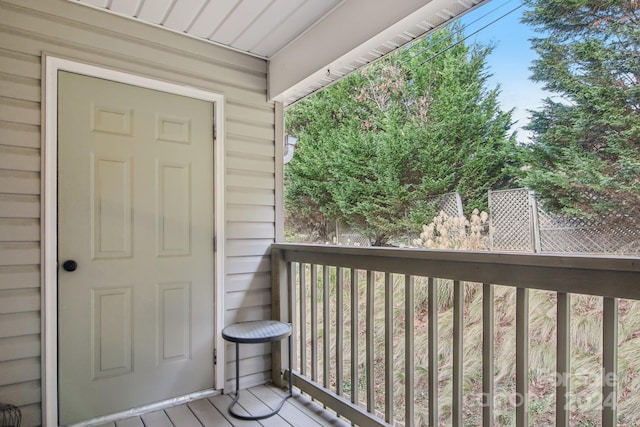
x=375 y=146
x=586 y=157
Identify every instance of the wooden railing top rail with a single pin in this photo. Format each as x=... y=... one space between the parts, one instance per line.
x=608 y=276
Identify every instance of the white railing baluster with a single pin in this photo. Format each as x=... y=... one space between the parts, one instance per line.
x=563 y=361
x=433 y=352
x=369 y=352
x=409 y=363
x=355 y=364
x=326 y=330
x=488 y=336
x=293 y=313
x=303 y=319
x=610 y=362
x=458 y=362
x=314 y=322
x=522 y=357
x=388 y=347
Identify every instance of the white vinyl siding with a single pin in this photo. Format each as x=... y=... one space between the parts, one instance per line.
x=31 y=28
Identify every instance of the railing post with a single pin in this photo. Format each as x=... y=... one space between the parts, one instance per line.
x=280 y=309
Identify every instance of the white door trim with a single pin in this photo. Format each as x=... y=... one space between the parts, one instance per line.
x=49 y=267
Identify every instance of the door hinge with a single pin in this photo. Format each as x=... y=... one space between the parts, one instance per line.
x=215 y=356
x=214 y=244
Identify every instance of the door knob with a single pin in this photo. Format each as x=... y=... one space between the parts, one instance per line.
x=70 y=265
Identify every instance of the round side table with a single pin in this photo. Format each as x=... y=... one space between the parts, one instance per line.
x=255 y=332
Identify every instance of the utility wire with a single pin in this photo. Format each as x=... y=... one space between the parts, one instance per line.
x=435 y=55
x=480 y=18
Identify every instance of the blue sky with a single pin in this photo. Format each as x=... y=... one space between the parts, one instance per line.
x=510 y=60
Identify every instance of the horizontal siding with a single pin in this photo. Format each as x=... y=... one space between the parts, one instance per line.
x=247 y=314
x=255 y=264
x=13 y=86
x=24 y=393
x=31 y=415
x=18 y=371
x=60 y=28
x=21 y=347
x=249 y=247
x=249 y=145
x=19 y=276
x=19 y=324
x=248 y=281
x=20 y=64
x=245 y=299
x=251 y=213
x=248 y=180
x=244 y=230
x=19 y=229
x=19 y=253
x=20 y=300
x=247 y=351
x=18 y=158
x=19 y=182
x=18 y=134
x=246 y=128
x=19 y=206
x=20 y=111
x=249 y=196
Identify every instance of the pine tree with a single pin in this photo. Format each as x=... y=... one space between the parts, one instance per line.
x=585 y=159
x=375 y=146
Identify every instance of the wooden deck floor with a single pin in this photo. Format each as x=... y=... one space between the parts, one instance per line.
x=212 y=412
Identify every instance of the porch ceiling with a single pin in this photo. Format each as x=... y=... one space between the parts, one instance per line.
x=309 y=43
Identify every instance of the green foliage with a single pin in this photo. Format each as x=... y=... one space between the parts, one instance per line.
x=586 y=156
x=375 y=146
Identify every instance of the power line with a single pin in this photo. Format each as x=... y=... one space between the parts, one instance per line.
x=472 y=34
x=480 y=18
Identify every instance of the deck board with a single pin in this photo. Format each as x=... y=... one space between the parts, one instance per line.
x=251 y=404
x=208 y=415
x=298 y=411
x=290 y=412
x=222 y=402
x=156 y=419
x=130 y=422
x=182 y=416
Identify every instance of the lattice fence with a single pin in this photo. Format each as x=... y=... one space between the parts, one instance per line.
x=449 y=203
x=511 y=220
x=570 y=235
x=345 y=235
x=520 y=223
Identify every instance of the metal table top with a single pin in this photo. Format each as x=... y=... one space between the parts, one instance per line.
x=256 y=331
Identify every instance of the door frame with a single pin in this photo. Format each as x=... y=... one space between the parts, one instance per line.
x=49 y=193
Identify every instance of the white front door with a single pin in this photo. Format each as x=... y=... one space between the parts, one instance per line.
x=135 y=215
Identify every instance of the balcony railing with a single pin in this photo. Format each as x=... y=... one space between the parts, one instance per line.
x=351 y=307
